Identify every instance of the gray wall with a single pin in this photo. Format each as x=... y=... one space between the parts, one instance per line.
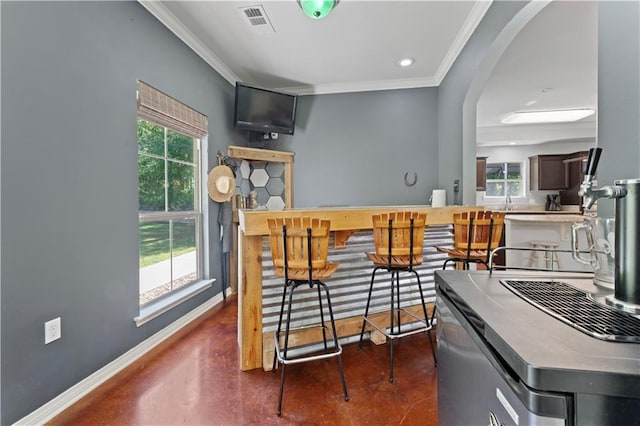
x=354 y=149
x=69 y=184
x=618 y=94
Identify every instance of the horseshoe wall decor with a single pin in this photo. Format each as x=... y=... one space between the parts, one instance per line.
x=415 y=179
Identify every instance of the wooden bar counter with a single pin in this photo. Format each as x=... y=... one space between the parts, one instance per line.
x=253 y=227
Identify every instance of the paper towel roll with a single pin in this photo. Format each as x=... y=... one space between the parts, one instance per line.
x=439 y=198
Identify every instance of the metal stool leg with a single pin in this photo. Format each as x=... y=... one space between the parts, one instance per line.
x=282 y=367
x=426 y=317
x=335 y=339
x=366 y=310
x=284 y=296
x=324 y=332
x=391 y=326
x=286 y=346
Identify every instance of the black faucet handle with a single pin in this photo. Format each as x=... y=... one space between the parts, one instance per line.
x=592 y=162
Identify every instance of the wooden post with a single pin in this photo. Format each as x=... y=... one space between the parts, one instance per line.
x=250 y=301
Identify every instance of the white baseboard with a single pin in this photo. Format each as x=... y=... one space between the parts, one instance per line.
x=63 y=401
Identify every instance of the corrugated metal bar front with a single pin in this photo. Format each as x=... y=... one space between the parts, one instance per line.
x=349 y=285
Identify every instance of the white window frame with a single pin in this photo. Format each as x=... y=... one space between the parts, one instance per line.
x=505 y=180
x=175 y=297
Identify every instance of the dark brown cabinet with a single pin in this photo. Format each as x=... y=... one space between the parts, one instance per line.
x=481 y=173
x=547 y=172
x=575 y=165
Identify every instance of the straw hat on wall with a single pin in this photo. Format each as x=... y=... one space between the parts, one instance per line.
x=221 y=184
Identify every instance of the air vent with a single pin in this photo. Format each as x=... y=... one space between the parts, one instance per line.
x=257 y=19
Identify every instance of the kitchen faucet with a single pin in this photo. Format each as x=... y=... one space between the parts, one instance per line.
x=507 y=203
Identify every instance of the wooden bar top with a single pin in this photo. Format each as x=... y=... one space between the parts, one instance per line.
x=254 y=222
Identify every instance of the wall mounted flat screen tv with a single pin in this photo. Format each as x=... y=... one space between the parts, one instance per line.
x=263 y=110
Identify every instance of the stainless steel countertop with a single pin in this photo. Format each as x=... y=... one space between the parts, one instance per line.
x=546 y=353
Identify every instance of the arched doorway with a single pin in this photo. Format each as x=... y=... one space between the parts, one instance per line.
x=481 y=77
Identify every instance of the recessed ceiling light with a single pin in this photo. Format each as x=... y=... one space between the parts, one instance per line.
x=512 y=143
x=405 y=62
x=554 y=116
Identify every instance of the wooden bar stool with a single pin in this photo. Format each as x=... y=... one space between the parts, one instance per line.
x=475 y=235
x=299 y=247
x=398 y=239
x=550 y=256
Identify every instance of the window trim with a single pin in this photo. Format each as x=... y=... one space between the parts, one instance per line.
x=165 y=303
x=505 y=180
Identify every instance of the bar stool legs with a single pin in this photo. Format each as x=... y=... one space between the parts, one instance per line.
x=281 y=354
x=395 y=324
x=550 y=255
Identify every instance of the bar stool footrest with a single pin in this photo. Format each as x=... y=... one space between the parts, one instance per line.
x=391 y=335
x=337 y=351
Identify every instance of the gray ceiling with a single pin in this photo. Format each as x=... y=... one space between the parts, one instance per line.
x=551 y=64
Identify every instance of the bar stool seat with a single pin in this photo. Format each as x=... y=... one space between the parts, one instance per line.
x=399 y=261
x=550 y=256
x=475 y=235
x=398 y=239
x=299 y=248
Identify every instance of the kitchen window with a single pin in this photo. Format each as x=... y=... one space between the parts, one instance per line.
x=170 y=224
x=504 y=179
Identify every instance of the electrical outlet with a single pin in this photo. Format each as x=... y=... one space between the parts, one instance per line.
x=52 y=330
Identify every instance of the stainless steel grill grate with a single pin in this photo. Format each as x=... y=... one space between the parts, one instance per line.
x=576 y=308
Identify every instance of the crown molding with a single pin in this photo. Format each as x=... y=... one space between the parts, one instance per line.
x=362 y=86
x=168 y=19
x=471 y=23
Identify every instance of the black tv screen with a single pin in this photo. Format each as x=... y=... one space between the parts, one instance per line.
x=264 y=110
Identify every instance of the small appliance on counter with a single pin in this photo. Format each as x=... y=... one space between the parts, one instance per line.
x=552 y=203
x=438 y=198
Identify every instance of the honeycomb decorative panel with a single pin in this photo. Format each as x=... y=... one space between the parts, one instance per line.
x=275 y=186
x=266 y=179
x=259 y=177
x=245 y=187
x=275 y=170
x=275 y=203
x=245 y=169
x=263 y=195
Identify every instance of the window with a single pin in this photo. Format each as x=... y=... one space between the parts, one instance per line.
x=169 y=202
x=168 y=209
x=504 y=179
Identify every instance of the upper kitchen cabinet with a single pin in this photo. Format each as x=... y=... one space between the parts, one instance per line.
x=575 y=165
x=547 y=172
x=481 y=173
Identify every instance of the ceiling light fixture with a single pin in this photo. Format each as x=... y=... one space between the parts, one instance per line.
x=405 y=62
x=317 y=9
x=552 y=116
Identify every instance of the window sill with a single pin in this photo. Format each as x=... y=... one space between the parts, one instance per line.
x=164 y=304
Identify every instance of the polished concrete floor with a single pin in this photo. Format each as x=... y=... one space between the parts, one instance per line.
x=194 y=379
